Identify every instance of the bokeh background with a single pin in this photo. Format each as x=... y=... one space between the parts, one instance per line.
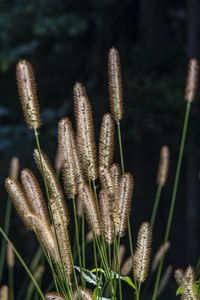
x=68 y=41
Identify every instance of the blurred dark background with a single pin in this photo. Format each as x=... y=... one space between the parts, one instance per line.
x=68 y=41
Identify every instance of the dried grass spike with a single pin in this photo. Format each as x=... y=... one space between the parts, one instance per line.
x=65 y=144
x=192 y=80
x=34 y=194
x=90 y=206
x=58 y=162
x=4 y=292
x=161 y=251
x=46 y=235
x=123 y=203
x=53 y=183
x=63 y=237
x=143 y=251
x=86 y=295
x=163 y=166
x=115 y=84
x=53 y=296
x=27 y=93
x=19 y=199
x=85 y=131
x=127 y=266
x=106 y=141
x=190 y=275
x=107 y=183
x=14 y=168
x=106 y=220
x=10 y=256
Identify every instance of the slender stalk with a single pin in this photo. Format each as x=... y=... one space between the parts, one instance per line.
x=173 y=200
x=83 y=242
x=23 y=263
x=156 y=203
x=6 y=230
x=77 y=240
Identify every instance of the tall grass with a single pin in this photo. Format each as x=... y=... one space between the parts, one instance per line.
x=104 y=190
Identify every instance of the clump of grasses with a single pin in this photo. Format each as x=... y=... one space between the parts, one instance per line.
x=100 y=190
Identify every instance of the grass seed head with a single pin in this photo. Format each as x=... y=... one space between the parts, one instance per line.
x=192 y=80
x=28 y=94
x=163 y=166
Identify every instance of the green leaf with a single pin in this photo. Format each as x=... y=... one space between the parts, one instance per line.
x=124 y=278
x=98 y=270
x=179 y=290
x=90 y=277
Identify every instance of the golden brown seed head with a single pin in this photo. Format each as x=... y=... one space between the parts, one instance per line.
x=34 y=194
x=86 y=295
x=58 y=163
x=4 y=292
x=14 y=168
x=53 y=296
x=85 y=131
x=123 y=203
x=115 y=84
x=116 y=175
x=142 y=253
x=192 y=80
x=89 y=237
x=107 y=182
x=39 y=272
x=88 y=199
x=106 y=141
x=65 y=144
x=190 y=275
x=19 y=199
x=45 y=234
x=163 y=166
x=28 y=94
x=63 y=237
x=161 y=251
x=127 y=266
x=106 y=220
x=53 y=183
x=187 y=283
x=79 y=207
x=10 y=256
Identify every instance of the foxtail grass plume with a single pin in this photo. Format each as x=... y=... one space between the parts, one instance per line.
x=10 y=256
x=34 y=194
x=39 y=272
x=116 y=175
x=90 y=207
x=79 y=207
x=28 y=94
x=123 y=203
x=192 y=80
x=45 y=234
x=115 y=84
x=86 y=295
x=85 y=131
x=127 y=266
x=163 y=166
x=165 y=279
x=161 y=251
x=107 y=183
x=62 y=236
x=106 y=141
x=187 y=284
x=142 y=253
x=14 y=168
x=4 y=292
x=19 y=199
x=89 y=237
x=53 y=183
x=58 y=162
x=53 y=296
x=106 y=220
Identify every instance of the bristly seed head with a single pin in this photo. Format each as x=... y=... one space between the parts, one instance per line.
x=106 y=141
x=123 y=203
x=86 y=295
x=34 y=194
x=4 y=292
x=53 y=183
x=85 y=131
x=14 y=168
x=163 y=166
x=10 y=256
x=106 y=220
x=19 y=199
x=88 y=199
x=192 y=80
x=142 y=253
x=53 y=296
x=28 y=94
x=115 y=84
